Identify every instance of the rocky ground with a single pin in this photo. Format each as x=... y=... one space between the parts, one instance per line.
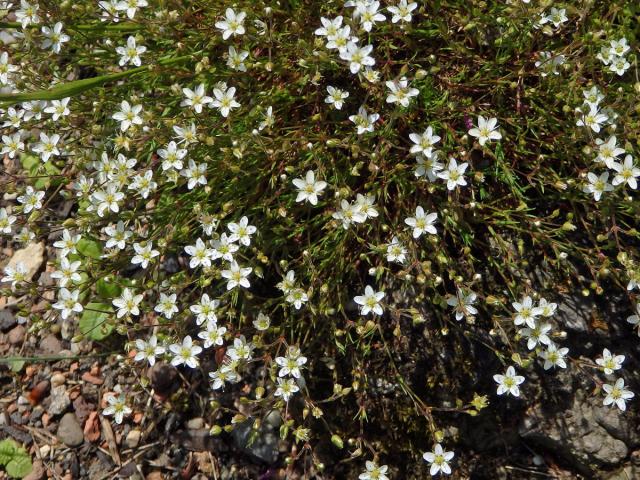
x=51 y=392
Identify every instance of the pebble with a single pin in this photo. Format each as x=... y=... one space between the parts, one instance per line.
x=16 y=335
x=195 y=423
x=7 y=319
x=69 y=431
x=58 y=379
x=30 y=256
x=133 y=438
x=50 y=345
x=60 y=400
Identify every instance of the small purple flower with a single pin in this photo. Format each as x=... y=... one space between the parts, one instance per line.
x=468 y=123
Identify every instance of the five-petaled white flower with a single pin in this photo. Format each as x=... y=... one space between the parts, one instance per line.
x=364 y=122
x=224 y=100
x=610 y=362
x=454 y=174
x=128 y=115
x=598 y=185
x=167 y=305
x=127 y=303
x=374 y=471
x=554 y=356
x=130 y=53
x=185 y=353
x=617 y=394
x=131 y=6
x=236 y=276
x=195 y=99
x=402 y=11
x=291 y=363
x=508 y=383
x=233 y=23
x=627 y=172
x=54 y=38
x=370 y=301
x=144 y=254
x=309 y=188
x=358 y=57
x=422 y=222
x=148 y=350
x=68 y=303
x=526 y=312
x=336 y=97
x=439 y=460
x=241 y=231
x=286 y=388
x=487 y=129
x=117 y=407
x=400 y=92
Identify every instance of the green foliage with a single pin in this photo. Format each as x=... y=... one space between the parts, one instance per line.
x=95 y=321
x=15 y=459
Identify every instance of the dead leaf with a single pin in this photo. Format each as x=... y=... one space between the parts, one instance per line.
x=92 y=427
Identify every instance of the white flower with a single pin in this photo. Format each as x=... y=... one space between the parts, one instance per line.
x=172 y=156
x=144 y=254
x=554 y=356
x=549 y=63
x=67 y=303
x=108 y=199
x=131 y=6
x=297 y=297
x=598 y=185
x=67 y=244
x=547 y=309
x=358 y=57
x=195 y=174
x=48 y=146
x=463 y=304
x=241 y=231
x=224 y=248
x=205 y=311
x=288 y=283
x=486 y=130
x=118 y=236
x=526 y=312
x=402 y=11
x=128 y=115
x=374 y=472
x=291 y=363
x=439 y=460
x=109 y=9
x=309 y=188
x=223 y=374
x=143 y=184
x=186 y=134
x=15 y=275
x=212 y=335
x=593 y=97
x=329 y=27
x=117 y=407
x=195 y=99
x=241 y=349
x=200 y=254
x=130 y=53
x=148 y=350
x=593 y=119
x=7 y=220
x=336 y=97
x=268 y=119
x=12 y=144
x=422 y=222
x=236 y=59
x=366 y=205
x=31 y=199
x=619 y=48
x=127 y=303
x=370 y=301
x=610 y=362
x=286 y=388
x=340 y=40
x=400 y=92
x=508 y=383
x=27 y=14
x=224 y=100
x=370 y=15
x=396 y=251
x=608 y=151
x=185 y=353
x=454 y=174
x=619 y=66
x=617 y=394
x=167 y=305
x=58 y=108
x=537 y=334
x=67 y=272
x=232 y=24
x=262 y=323
x=237 y=276
x=634 y=319
x=14 y=117
x=54 y=37
x=424 y=142
x=349 y=213
x=627 y=173
x=6 y=68
x=428 y=166
x=363 y=121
